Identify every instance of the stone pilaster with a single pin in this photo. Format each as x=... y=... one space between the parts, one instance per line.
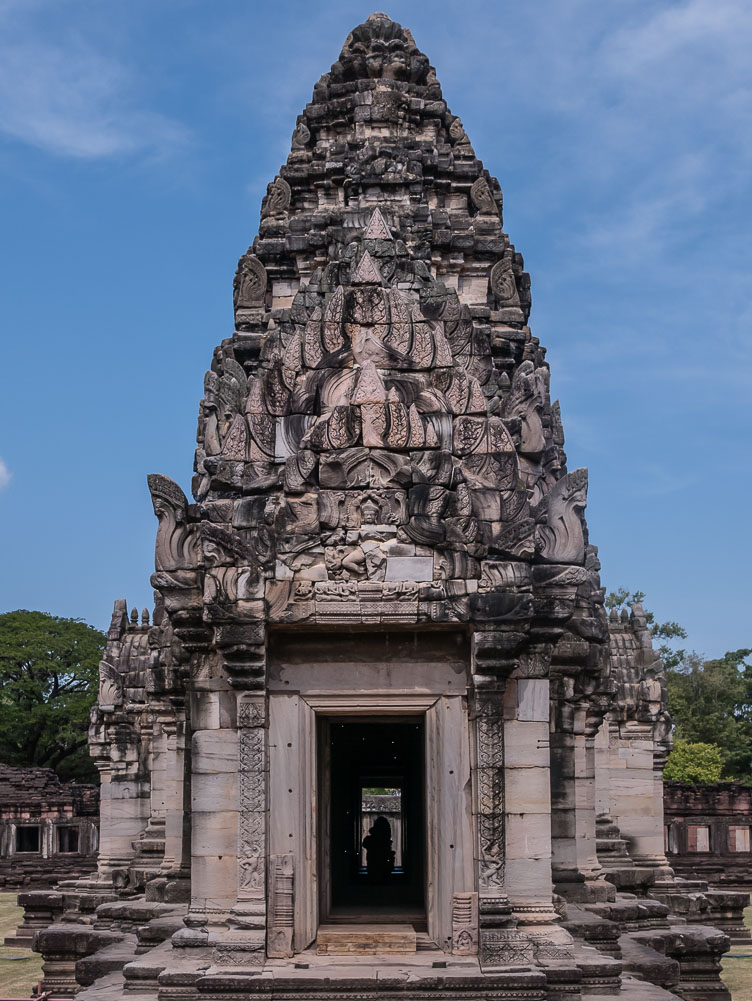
x=245 y=943
x=577 y=872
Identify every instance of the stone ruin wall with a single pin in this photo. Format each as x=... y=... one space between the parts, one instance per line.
x=36 y=799
x=721 y=853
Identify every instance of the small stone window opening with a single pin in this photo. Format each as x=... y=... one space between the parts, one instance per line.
x=738 y=839
x=698 y=838
x=27 y=838
x=67 y=839
x=670 y=839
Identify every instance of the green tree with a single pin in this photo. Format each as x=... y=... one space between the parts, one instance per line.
x=694 y=763
x=710 y=702
x=48 y=683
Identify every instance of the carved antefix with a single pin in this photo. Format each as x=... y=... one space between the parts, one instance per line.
x=278 y=199
x=482 y=199
x=176 y=542
x=249 y=286
x=503 y=284
x=561 y=538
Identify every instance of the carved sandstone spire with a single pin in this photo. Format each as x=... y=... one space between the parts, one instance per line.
x=382 y=345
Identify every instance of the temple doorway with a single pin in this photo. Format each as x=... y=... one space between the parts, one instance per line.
x=372 y=822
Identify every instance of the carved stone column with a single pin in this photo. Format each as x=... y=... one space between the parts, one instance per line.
x=576 y=870
x=244 y=945
x=149 y=849
x=488 y=786
x=124 y=802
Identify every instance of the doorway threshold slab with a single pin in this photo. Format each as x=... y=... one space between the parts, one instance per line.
x=365 y=940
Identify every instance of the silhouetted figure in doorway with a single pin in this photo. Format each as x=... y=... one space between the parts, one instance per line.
x=379 y=851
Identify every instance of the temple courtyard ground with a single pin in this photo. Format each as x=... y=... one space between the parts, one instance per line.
x=20 y=969
x=737 y=967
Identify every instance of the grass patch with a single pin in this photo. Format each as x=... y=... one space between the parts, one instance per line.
x=737 y=972
x=17 y=976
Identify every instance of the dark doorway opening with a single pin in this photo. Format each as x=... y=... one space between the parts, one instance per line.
x=373 y=836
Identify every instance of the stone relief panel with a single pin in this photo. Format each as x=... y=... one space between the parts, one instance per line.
x=489 y=730
x=252 y=792
x=465 y=924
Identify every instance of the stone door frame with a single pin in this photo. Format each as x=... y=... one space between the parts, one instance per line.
x=294 y=798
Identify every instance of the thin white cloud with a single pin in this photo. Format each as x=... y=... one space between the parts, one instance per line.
x=5 y=476
x=66 y=98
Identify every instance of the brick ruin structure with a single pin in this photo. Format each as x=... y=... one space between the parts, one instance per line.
x=384 y=582
x=707 y=832
x=48 y=828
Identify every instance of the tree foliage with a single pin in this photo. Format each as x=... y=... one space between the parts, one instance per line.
x=48 y=678
x=694 y=763
x=710 y=701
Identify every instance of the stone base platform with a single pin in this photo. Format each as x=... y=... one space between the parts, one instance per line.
x=365 y=940
x=327 y=978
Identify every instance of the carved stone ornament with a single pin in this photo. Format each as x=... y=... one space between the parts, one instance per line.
x=456 y=132
x=281 y=906
x=505 y=947
x=561 y=538
x=503 y=284
x=301 y=136
x=377 y=228
x=251 y=713
x=278 y=199
x=252 y=814
x=489 y=725
x=251 y=281
x=110 y=685
x=465 y=924
x=482 y=199
x=176 y=541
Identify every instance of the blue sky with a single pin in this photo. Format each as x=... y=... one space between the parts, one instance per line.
x=136 y=141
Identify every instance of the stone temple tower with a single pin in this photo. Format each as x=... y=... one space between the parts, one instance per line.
x=363 y=718
x=385 y=536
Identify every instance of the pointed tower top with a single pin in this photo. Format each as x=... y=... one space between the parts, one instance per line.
x=380 y=48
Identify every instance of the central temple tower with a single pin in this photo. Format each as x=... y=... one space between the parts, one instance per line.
x=384 y=535
x=386 y=545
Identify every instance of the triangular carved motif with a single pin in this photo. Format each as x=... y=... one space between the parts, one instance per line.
x=370 y=388
x=367 y=272
x=377 y=228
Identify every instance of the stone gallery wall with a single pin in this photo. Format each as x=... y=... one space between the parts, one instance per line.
x=707 y=831
x=48 y=828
